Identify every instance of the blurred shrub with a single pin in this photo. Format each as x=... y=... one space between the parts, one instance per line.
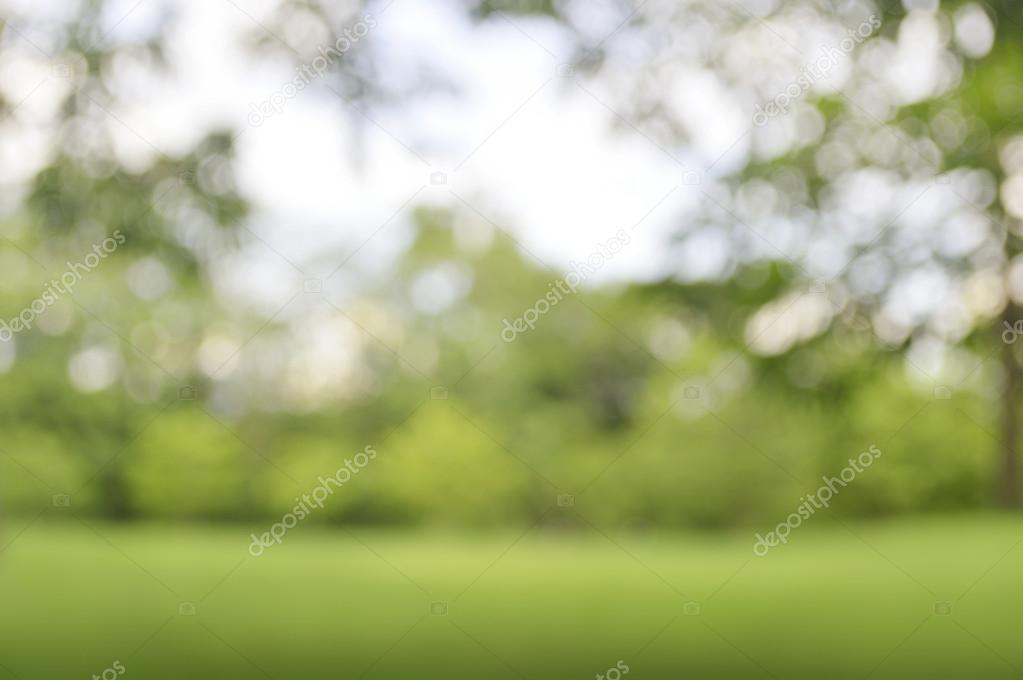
x=187 y=465
x=441 y=468
x=36 y=466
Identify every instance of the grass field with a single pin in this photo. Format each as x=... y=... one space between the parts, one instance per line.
x=834 y=603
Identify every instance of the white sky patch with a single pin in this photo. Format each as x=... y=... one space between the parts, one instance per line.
x=533 y=152
x=528 y=148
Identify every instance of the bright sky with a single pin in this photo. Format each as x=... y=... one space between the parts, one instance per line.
x=524 y=146
x=518 y=141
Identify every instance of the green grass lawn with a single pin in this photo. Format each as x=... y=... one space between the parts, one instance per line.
x=834 y=603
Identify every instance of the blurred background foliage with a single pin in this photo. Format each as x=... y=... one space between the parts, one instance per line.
x=583 y=396
x=148 y=395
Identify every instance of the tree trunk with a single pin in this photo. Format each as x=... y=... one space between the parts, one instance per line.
x=1009 y=473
